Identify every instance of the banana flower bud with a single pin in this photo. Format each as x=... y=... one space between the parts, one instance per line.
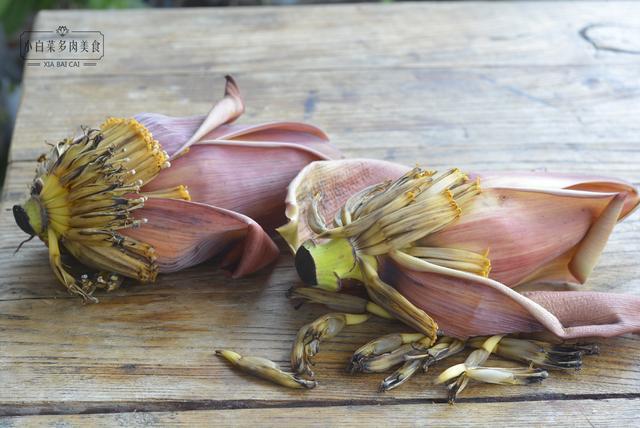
x=138 y=197
x=453 y=246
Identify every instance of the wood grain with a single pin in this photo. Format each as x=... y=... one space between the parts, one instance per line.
x=585 y=116
x=571 y=413
x=365 y=37
x=476 y=85
x=153 y=345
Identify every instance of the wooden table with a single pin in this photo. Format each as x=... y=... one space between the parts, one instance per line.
x=477 y=85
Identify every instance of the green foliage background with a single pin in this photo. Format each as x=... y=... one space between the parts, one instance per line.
x=16 y=12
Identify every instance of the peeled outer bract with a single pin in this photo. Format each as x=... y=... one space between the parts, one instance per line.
x=532 y=227
x=240 y=171
x=186 y=233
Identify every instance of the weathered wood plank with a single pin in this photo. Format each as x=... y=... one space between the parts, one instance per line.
x=150 y=344
x=571 y=413
x=361 y=36
x=477 y=118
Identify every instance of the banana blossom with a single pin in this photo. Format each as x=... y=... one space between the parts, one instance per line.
x=152 y=194
x=447 y=249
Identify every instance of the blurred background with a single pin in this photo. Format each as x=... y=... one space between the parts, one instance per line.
x=18 y=15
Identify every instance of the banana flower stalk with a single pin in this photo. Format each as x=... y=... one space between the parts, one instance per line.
x=445 y=250
x=153 y=194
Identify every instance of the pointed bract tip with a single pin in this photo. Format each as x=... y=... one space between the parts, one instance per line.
x=231 y=88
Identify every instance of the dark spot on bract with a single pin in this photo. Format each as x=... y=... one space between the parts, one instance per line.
x=306 y=266
x=22 y=220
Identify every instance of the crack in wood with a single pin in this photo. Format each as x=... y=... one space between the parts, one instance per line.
x=607 y=41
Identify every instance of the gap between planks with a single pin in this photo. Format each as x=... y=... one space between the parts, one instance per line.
x=359 y=69
x=48 y=408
